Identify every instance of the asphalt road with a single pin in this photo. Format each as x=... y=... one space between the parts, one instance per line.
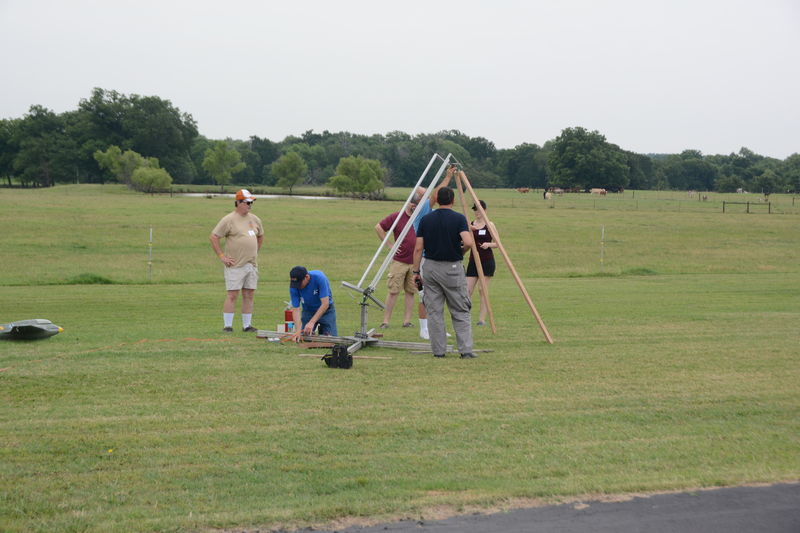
x=764 y=509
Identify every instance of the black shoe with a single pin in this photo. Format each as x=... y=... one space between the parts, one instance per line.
x=407 y=324
x=249 y=328
x=384 y=325
x=468 y=355
x=227 y=330
x=438 y=355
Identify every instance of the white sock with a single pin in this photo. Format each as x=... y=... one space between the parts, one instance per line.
x=246 y=319
x=423 y=325
x=227 y=319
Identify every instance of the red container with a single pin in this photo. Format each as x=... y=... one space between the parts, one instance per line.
x=288 y=319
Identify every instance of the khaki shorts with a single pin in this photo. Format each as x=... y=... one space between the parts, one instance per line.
x=401 y=278
x=243 y=277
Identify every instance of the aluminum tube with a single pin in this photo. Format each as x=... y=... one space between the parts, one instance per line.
x=389 y=233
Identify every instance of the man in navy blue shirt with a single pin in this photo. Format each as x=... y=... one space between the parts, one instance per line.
x=313 y=291
x=444 y=236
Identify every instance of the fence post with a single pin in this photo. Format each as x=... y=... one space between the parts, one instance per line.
x=723 y=206
x=748 y=207
x=150 y=257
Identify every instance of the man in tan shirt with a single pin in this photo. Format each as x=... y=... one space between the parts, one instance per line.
x=243 y=234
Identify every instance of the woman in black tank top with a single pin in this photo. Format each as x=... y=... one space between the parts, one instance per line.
x=484 y=242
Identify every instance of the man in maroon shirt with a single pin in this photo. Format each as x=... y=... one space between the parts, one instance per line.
x=400 y=275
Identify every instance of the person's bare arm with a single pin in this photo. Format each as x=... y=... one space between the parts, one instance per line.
x=324 y=305
x=448 y=176
x=297 y=334
x=380 y=231
x=227 y=261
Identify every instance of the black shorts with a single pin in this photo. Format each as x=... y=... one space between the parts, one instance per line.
x=488 y=269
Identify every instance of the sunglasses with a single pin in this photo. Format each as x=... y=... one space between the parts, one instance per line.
x=249 y=203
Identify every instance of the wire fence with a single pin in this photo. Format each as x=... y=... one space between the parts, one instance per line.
x=667 y=201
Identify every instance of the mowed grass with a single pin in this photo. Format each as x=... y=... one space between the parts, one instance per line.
x=675 y=366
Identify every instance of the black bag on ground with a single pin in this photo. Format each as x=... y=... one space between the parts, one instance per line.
x=340 y=358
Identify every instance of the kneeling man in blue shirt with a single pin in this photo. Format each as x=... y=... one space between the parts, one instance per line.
x=313 y=291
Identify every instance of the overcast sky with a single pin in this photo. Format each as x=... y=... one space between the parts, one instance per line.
x=652 y=76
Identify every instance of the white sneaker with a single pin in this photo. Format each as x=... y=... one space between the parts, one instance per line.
x=447 y=334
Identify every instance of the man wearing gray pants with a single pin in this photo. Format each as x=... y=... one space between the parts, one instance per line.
x=444 y=236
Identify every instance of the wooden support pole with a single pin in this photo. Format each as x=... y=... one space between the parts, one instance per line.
x=476 y=255
x=507 y=259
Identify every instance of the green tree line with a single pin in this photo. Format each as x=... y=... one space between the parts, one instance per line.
x=43 y=148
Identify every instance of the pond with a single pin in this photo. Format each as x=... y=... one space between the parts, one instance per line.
x=231 y=195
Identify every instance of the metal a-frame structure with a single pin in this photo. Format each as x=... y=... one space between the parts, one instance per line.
x=364 y=336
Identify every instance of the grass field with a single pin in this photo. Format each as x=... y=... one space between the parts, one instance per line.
x=675 y=364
